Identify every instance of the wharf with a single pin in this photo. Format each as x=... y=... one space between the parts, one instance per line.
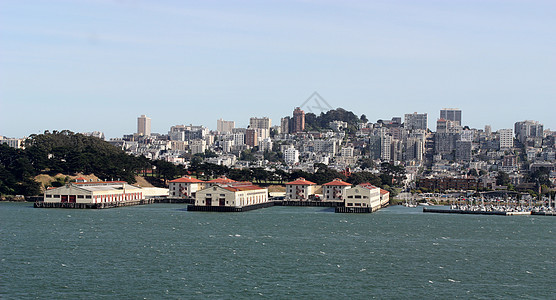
x=308 y=203
x=229 y=208
x=343 y=209
x=42 y=204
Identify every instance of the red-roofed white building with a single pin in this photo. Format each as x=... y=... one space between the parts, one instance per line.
x=185 y=187
x=363 y=195
x=384 y=197
x=334 y=190
x=300 y=189
x=235 y=194
x=93 y=192
x=219 y=181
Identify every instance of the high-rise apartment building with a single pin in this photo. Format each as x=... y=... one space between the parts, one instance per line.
x=260 y=123
x=506 y=138
x=298 y=120
x=528 y=129
x=251 y=137
x=451 y=114
x=225 y=126
x=415 y=121
x=144 y=125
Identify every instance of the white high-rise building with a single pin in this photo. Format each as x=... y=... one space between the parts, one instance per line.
x=506 y=138
x=144 y=125
x=291 y=156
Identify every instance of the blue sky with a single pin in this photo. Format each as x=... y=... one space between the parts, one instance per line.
x=98 y=65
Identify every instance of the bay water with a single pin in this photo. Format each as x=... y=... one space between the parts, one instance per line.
x=162 y=251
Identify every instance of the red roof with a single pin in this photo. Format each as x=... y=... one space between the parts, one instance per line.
x=242 y=188
x=221 y=180
x=301 y=181
x=187 y=179
x=368 y=186
x=384 y=192
x=80 y=178
x=337 y=182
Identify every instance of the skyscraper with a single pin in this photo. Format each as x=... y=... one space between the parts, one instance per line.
x=415 y=121
x=451 y=114
x=144 y=125
x=298 y=120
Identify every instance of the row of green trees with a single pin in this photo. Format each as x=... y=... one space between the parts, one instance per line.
x=70 y=153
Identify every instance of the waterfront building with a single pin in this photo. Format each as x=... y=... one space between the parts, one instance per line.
x=363 y=195
x=93 y=192
x=334 y=190
x=185 y=187
x=223 y=180
x=234 y=194
x=384 y=197
x=300 y=189
x=144 y=125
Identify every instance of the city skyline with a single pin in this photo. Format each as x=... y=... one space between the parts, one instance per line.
x=97 y=66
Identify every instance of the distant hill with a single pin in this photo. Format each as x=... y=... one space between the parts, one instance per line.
x=322 y=121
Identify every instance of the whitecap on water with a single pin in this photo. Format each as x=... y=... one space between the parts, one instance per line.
x=451 y=280
x=362 y=270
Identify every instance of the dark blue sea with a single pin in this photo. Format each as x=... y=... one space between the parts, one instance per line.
x=161 y=251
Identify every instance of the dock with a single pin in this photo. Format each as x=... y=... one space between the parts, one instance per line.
x=229 y=208
x=73 y=205
x=308 y=203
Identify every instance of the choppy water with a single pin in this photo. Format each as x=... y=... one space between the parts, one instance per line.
x=162 y=251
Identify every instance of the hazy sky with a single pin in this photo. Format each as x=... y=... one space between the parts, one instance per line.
x=98 y=65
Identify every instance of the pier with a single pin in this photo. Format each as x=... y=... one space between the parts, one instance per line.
x=229 y=208
x=73 y=205
x=308 y=203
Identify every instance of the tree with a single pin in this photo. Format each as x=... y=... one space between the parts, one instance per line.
x=364 y=118
x=502 y=178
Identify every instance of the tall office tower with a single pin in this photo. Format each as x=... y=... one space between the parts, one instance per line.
x=144 y=125
x=506 y=139
x=260 y=123
x=225 y=126
x=298 y=120
x=451 y=114
x=251 y=137
x=415 y=121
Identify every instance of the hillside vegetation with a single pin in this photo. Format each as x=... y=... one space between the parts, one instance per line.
x=63 y=153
